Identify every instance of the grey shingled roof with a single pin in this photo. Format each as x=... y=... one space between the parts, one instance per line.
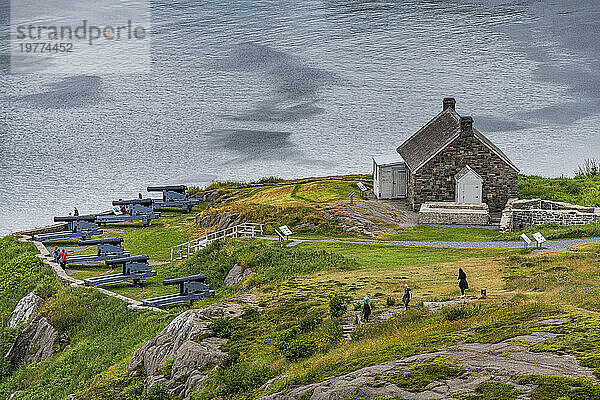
x=438 y=133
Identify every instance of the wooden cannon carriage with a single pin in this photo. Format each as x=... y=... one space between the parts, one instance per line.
x=135 y=210
x=107 y=249
x=78 y=226
x=193 y=287
x=174 y=197
x=134 y=269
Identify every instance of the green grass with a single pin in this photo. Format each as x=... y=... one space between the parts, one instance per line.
x=387 y=256
x=102 y=332
x=570 y=279
x=20 y=273
x=580 y=190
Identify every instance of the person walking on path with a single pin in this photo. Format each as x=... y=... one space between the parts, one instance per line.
x=56 y=254
x=462 y=282
x=140 y=196
x=63 y=260
x=75 y=211
x=367 y=308
x=407 y=296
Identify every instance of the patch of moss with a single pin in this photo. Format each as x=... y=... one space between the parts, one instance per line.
x=166 y=369
x=421 y=375
x=554 y=388
x=492 y=390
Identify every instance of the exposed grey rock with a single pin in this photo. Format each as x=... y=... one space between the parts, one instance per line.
x=188 y=341
x=26 y=307
x=38 y=342
x=236 y=275
x=434 y=306
x=15 y=395
x=482 y=362
x=219 y=221
x=553 y=321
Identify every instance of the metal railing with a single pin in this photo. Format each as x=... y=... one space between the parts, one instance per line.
x=245 y=230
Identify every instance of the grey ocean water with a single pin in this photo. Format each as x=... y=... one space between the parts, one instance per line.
x=247 y=89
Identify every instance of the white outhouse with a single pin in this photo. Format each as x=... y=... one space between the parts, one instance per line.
x=390 y=177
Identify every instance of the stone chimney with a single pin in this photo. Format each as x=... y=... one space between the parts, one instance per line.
x=466 y=126
x=449 y=102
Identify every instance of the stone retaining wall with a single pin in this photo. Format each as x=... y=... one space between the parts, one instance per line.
x=520 y=214
x=451 y=213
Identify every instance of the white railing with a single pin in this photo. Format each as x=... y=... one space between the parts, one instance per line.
x=245 y=230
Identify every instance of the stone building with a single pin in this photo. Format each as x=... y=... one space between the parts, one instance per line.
x=447 y=160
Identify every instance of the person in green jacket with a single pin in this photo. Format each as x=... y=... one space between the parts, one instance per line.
x=367 y=308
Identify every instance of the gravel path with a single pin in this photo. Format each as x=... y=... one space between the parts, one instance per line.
x=550 y=246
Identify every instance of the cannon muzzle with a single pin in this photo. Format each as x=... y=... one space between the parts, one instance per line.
x=144 y=202
x=70 y=218
x=123 y=260
x=191 y=278
x=173 y=188
x=113 y=240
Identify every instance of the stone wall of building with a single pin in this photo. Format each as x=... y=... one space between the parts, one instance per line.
x=435 y=180
x=520 y=214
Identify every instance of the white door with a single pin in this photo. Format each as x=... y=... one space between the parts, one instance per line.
x=400 y=182
x=469 y=188
x=470 y=192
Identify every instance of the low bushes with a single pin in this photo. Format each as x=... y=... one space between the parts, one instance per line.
x=270 y=262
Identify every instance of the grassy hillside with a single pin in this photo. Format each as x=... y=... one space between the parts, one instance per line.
x=297 y=338
x=582 y=190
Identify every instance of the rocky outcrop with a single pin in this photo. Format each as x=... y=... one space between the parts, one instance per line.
x=237 y=275
x=38 y=342
x=26 y=307
x=219 y=221
x=189 y=344
x=207 y=196
x=481 y=362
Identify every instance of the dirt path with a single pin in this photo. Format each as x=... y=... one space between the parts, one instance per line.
x=551 y=246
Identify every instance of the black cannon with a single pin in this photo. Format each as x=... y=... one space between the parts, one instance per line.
x=191 y=288
x=173 y=196
x=134 y=269
x=78 y=226
x=133 y=210
x=107 y=249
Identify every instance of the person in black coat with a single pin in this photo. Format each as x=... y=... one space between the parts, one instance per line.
x=462 y=281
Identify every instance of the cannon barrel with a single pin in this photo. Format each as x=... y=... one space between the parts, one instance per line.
x=174 y=188
x=112 y=240
x=70 y=218
x=195 y=278
x=143 y=258
x=144 y=202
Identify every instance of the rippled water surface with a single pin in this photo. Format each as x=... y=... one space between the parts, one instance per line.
x=247 y=89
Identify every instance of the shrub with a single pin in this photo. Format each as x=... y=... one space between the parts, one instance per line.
x=157 y=392
x=222 y=327
x=47 y=287
x=455 y=313
x=338 y=305
x=299 y=348
x=243 y=378
x=390 y=302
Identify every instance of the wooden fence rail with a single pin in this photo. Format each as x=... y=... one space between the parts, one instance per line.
x=186 y=249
